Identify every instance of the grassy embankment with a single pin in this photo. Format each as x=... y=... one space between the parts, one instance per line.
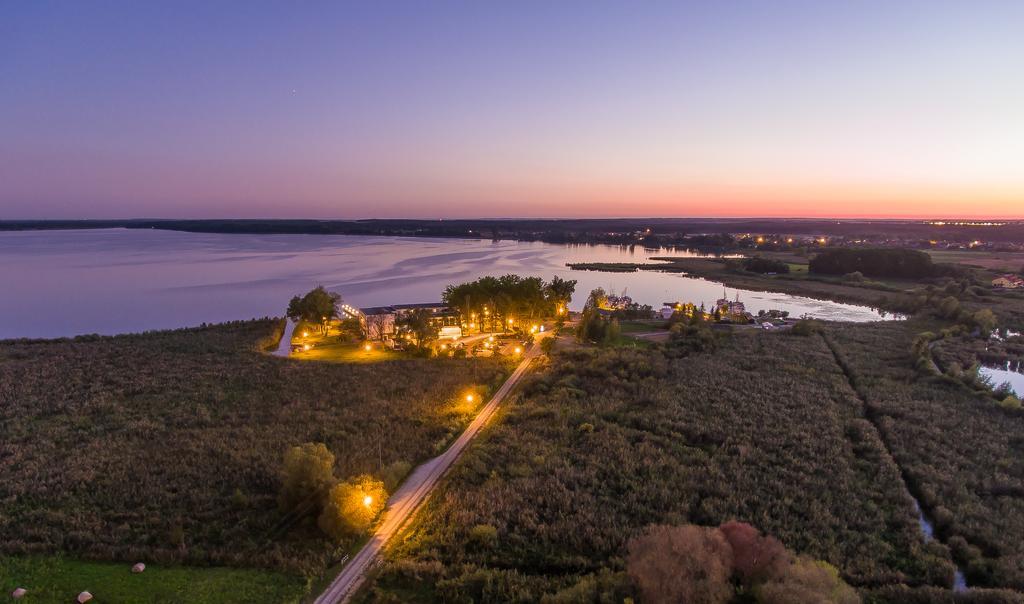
x=166 y=448
x=767 y=430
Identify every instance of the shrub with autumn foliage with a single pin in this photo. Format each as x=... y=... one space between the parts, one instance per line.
x=351 y=506
x=707 y=565
x=671 y=564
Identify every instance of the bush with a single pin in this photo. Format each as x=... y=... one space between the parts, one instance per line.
x=756 y=557
x=393 y=474
x=807 y=580
x=670 y=564
x=351 y=506
x=758 y=264
x=805 y=327
x=484 y=535
x=1010 y=403
x=307 y=470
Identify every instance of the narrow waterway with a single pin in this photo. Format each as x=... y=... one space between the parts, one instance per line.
x=926 y=524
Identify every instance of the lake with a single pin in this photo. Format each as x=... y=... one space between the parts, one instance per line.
x=108 y=281
x=1008 y=374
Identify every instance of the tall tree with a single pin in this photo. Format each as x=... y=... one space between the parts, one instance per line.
x=317 y=307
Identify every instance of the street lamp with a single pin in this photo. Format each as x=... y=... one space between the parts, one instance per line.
x=367 y=501
x=469 y=398
x=367 y=348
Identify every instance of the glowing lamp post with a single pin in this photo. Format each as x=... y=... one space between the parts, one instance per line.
x=367 y=501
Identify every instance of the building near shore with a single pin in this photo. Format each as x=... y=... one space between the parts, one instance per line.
x=1008 y=282
x=383 y=322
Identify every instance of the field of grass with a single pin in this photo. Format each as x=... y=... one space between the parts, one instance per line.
x=55 y=580
x=1011 y=262
x=962 y=455
x=766 y=430
x=166 y=447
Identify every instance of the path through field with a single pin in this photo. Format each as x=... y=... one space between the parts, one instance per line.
x=404 y=503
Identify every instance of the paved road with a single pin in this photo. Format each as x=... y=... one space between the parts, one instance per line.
x=414 y=491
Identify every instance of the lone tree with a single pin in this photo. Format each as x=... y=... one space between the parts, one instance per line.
x=317 y=307
x=308 y=470
x=351 y=506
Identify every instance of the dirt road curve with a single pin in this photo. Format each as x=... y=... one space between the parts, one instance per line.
x=414 y=491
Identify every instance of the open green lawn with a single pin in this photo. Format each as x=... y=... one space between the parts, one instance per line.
x=332 y=348
x=58 y=580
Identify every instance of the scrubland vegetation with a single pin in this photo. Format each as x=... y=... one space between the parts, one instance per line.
x=962 y=454
x=762 y=428
x=167 y=447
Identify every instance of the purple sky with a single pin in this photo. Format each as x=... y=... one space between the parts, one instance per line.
x=425 y=109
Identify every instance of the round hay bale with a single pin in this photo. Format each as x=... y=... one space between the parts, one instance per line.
x=138 y=568
x=84 y=597
x=19 y=593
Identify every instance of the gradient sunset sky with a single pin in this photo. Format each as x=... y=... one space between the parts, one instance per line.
x=512 y=109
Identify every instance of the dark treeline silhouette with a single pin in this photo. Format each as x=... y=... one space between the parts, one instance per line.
x=874 y=262
x=700 y=232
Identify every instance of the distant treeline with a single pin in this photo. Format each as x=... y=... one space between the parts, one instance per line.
x=875 y=262
x=695 y=232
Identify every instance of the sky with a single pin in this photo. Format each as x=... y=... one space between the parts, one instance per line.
x=513 y=109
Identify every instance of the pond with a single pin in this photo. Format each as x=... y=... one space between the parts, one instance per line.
x=1008 y=374
x=64 y=283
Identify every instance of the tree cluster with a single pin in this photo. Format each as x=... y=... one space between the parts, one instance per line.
x=757 y=264
x=494 y=300
x=317 y=307
x=308 y=488
x=874 y=262
x=707 y=565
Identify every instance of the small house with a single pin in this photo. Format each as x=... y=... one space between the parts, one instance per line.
x=1008 y=282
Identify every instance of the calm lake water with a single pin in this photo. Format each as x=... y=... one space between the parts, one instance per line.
x=1008 y=374
x=63 y=283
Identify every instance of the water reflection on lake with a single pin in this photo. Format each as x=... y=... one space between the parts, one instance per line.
x=1009 y=374
x=61 y=283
